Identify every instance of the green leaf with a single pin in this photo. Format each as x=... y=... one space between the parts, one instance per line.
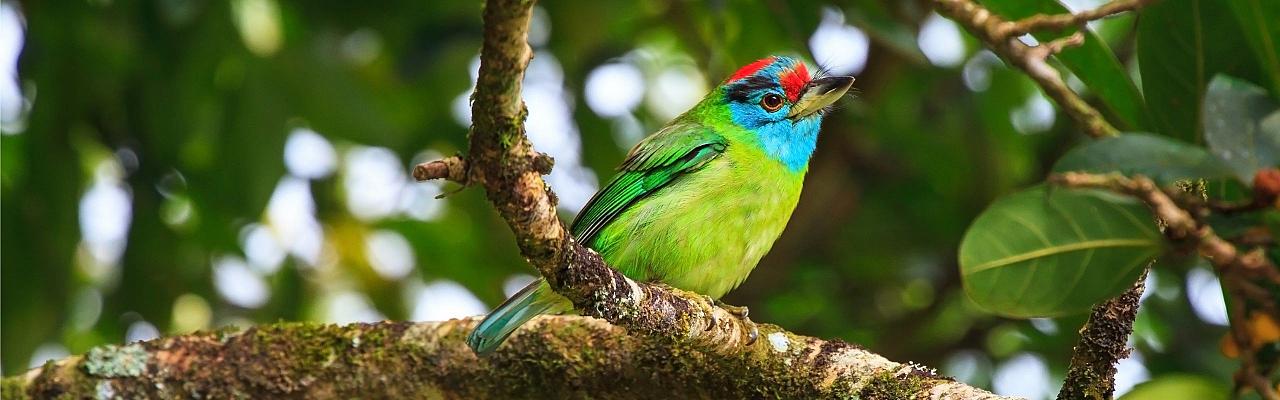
x=1093 y=62
x=1054 y=251
x=1180 y=45
x=1160 y=158
x=1260 y=22
x=1242 y=126
x=1179 y=387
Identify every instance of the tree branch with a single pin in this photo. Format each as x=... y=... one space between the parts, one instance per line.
x=504 y=163
x=554 y=357
x=1057 y=22
x=1181 y=225
x=1103 y=339
x=1183 y=217
x=1001 y=37
x=1103 y=343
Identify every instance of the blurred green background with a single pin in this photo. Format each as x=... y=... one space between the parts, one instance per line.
x=175 y=165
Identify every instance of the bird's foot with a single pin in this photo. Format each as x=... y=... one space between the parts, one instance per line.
x=714 y=321
x=742 y=312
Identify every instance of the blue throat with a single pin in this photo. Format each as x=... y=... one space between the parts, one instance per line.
x=789 y=142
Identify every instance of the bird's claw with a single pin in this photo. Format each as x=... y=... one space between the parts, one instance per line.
x=742 y=312
x=714 y=320
x=754 y=331
x=737 y=311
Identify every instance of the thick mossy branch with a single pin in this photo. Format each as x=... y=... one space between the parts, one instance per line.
x=552 y=357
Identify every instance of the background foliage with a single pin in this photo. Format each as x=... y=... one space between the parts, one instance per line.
x=175 y=165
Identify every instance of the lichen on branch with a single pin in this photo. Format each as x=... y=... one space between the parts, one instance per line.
x=553 y=357
x=1103 y=343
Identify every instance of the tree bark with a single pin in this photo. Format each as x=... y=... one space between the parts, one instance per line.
x=551 y=357
x=1104 y=341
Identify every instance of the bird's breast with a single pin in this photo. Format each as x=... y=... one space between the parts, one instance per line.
x=707 y=230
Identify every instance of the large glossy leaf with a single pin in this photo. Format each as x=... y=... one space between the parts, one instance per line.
x=1053 y=251
x=1242 y=126
x=1180 y=45
x=1092 y=62
x=1260 y=23
x=1160 y=158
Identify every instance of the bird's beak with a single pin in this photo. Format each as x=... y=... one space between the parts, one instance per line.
x=820 y=93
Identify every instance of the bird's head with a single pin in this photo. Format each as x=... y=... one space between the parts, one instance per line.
x=777 y=100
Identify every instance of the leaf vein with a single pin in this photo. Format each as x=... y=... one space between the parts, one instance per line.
x=1059 y=249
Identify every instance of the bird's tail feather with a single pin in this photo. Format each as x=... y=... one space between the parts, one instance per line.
x=533 y=300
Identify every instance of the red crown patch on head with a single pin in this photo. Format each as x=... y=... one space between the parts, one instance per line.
x=794 y=80
x=750 y=69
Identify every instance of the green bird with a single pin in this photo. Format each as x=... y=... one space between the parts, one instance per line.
x=697 y=204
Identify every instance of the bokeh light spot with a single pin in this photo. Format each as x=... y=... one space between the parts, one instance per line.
x=940 y=41
x=238 y=284
x=839 y=47
x=390 y=254
x=347 y=307
x=190 y=313
x=1204 y=291
x=309 y=155
x=1023 y=375
x=13 y=107
x=259 y=24
x=516 y=282
x=1034 y=116
x=613 y=90
x=264 y=253
x=442 y=300
x=373 y=178
x=139 y=331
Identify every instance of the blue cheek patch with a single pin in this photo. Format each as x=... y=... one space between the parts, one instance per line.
x=791 y=143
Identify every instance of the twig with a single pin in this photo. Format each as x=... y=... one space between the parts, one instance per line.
x=1248 y=375
x=1057 y=22
x=1103 y=343
x=451 y=169
x=1266 y=190
x=1001 y=37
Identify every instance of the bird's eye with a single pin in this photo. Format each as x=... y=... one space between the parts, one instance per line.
x=771 y=102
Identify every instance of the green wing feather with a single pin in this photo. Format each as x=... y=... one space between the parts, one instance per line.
x=655 y=162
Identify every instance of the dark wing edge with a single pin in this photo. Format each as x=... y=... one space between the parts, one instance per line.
x=653 y=164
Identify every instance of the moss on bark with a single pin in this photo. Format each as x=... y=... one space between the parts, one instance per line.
x=552 y=357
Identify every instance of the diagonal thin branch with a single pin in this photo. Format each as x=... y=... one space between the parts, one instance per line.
x=1055 y=22
x=1001 y=37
